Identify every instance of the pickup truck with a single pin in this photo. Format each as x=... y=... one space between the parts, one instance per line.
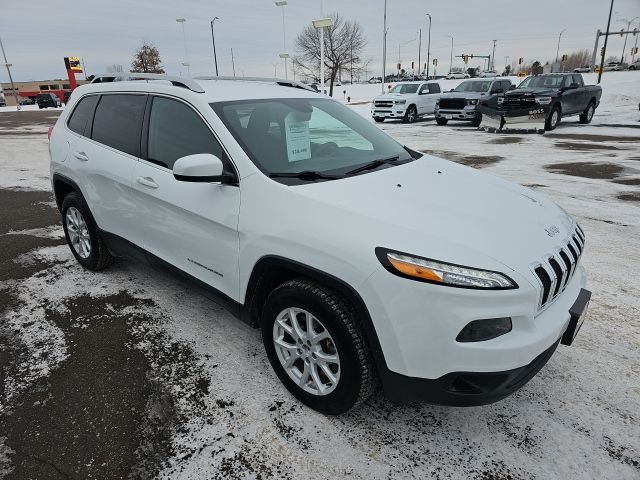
x=549 y=97
x=406 y=101
x=460 y=103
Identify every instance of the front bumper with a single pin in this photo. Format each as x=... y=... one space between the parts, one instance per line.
x=467 y=113
x=394 y=111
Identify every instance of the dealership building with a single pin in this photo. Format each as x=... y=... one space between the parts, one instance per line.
x=29 y=90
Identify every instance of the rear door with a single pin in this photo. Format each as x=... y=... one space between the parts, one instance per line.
x=104 y=160
x=193 y=226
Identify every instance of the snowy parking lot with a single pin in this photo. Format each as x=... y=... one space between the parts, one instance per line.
x=133 y=372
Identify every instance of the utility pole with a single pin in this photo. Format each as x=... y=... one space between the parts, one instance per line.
x=419 y=48
x=282 y=3
x=493 y=56
x=558 y=49
x=629 y=22
x=384 y=45
x=451 y=56
x=213 y=39
x=604 y=49
x=233 y=63
x=13 y=87
x=181 y=21
x=429 y=46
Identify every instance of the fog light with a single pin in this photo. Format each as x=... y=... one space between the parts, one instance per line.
x=481 y=330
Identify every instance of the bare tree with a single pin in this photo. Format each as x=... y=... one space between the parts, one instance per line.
x=344 y=42
x=147 y=59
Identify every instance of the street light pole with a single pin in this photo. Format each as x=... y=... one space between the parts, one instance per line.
x=629 y=22
x=213 y=40
x=558 y=49
x=419 y=48
x=429 y=46
x=384 y=45
x=282 y=3
x=493 y=56
x=451 y=56
x=184 y=39
x=604 y=48
x=233 y=63
x=13 y=87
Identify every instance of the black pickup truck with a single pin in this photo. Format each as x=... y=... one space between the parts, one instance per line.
x=545 y=98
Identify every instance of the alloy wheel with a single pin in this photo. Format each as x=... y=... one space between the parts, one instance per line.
x=78 y=232
x=306 y=351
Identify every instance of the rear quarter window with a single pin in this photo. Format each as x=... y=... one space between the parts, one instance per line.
x=80 y=115
x=118 y=122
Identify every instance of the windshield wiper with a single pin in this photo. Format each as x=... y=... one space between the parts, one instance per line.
x=373 y=164
x=305 y=175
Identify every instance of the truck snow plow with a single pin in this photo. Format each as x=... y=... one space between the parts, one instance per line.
x=507 y=118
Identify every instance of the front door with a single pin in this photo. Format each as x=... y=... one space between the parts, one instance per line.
x=193 y=226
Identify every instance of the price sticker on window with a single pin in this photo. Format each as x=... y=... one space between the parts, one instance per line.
x=298 y=138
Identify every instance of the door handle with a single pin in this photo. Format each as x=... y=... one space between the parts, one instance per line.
x=81 y=156
x=147 y=182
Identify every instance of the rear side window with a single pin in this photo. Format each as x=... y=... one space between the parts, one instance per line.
x=434 y=88
x=577 y=79
x=81 y=114
x=118 y=122
x=175 y=131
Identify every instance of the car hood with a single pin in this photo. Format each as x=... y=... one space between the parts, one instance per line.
x=518 y=92
x=439 y=209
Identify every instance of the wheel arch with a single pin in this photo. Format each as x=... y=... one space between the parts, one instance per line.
x=271 y=270
x=63 y=186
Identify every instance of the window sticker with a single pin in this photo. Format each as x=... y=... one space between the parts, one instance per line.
x=298 y=138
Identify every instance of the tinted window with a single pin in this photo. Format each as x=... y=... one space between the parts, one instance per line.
x=175 y=131
x=81 y=114
x=434 y=88
x=118 y=121
x=578 y=80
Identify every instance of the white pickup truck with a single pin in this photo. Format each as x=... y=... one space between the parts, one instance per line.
x=406 y=101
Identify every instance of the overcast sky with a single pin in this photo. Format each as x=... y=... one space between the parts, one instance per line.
x=38 y=34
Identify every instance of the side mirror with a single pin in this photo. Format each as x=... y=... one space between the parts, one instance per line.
x=201 y=167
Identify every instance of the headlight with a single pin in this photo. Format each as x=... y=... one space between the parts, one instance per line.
x=472 y=102
x=433 y=271
x=400 y=102
x=543 y=100
x=500 y=100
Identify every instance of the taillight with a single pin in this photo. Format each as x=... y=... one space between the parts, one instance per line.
x=49 y=132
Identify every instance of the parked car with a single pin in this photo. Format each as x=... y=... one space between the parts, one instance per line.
x=559 y=95
x=635 y=65
x=406 y=101
x=583 y=69
x=457 y=76
x=348 y=249
x=3 y=102
x=461 y=102
x=46 y=100
x=488 y=74
x=375 y=80
x=613 y=67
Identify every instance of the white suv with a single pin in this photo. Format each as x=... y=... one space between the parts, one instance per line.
x=406 y=101
x=361 y=260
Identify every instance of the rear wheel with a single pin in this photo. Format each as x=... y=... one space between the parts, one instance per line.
x=441 y=121
x=587 y=115
x=82 y=235
x=553 y=119
x=316 y=346
x=411 y=114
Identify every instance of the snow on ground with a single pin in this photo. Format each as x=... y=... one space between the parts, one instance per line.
x=578 y=418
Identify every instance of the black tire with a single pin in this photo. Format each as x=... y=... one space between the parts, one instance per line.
x=553 y=120
x=411 y=115
x=358 y=379
x=379 y=119
x=587 y=115
x=441 y=121
x=99 y=256
x=477 y=120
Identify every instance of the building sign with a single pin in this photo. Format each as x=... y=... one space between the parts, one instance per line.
x=73 y=64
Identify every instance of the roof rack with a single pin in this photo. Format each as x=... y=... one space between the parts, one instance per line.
x=182 y=82
x=278 y=81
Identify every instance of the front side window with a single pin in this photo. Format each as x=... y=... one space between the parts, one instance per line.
x=544 y=81
x=118 y=121
x=293 y=135
x=81 y=114
x=434 y=88
x=176 y=131
x=405 y=88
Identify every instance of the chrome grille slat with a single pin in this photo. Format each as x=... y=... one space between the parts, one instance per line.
x=556 y=269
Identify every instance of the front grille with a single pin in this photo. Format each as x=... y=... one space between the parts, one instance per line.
x=557 y=269
x=383 y=103
x=452 y=103
x=516 y=102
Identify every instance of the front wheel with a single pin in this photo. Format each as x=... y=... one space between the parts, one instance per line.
x=554 y=119
x=316 y=346
x=587 y=115
x=477 y=120
x=441 y=121
x=411 y=114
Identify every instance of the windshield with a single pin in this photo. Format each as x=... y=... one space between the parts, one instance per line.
x=405 y=88
x=543 y=81
x=474 y=86
x=295 y=135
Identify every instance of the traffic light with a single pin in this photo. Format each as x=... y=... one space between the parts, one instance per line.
x=465 y=58
x=435 y=61
x=602 y=51
x=471 y=55
x=399 y=66
x=520 y=61
x=564 y=57
x=412 y=67
x=634 y=50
